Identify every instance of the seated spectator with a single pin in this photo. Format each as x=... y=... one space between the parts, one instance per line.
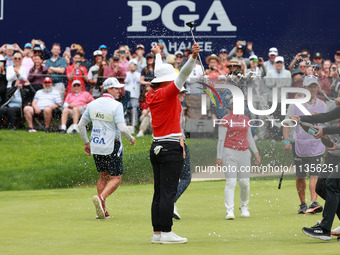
x=213 y=71
x=16 y=71
x=3 y=80
x=16 y=99
x=103 y=49
x=56 y=69
x=93 y=74
x=132 y=85
x=37 y=73
x=76 y=72
x=74 y=106
x=141 y=60
x=46 y=102
x=145 y=118
x=27 y=61
x=239 y=50
x=304 y=55
x=223 y=65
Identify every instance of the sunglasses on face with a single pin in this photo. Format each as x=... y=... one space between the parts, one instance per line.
x=233 y=66
x=76 y=85
x=16 y=58
x=121 y=51
x=179 y=56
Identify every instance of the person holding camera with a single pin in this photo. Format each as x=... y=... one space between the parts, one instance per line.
x=240 y=49
x=122 y=53
x=76 y=72
x=304 y=55
x=213 y=71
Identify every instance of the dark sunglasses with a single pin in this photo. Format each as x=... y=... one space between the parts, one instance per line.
x=179 y=56
x=17 y=58
x=76 y=85
x=121 y=51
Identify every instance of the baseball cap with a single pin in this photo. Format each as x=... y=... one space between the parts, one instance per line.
x=223 y=50
x=150 y=55
x=47 y=80
x=296 y=71
x=10 y=47
x=115 y=57
x=337 y=52
x=102 y=47
x=140 y=46
x=37 y=48
x=97 y=53
x=273 y=51
x=112 y=82
x=317 y=55
x=253 y=57
x=28 y=45
x=179 y=52
x=317 y=66
x=133 y=61
x=279 y=59
x=309 y=80
x=241 y=47
x=76 y=82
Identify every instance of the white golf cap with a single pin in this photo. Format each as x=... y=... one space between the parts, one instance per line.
x=133 y=61
x=309 y=80
x=273 y=51
x=112 y=82
x=179 y=53
x=164 y=72
x=97 y=53
x=279 y=59
x=252 y=57
x=76 y=82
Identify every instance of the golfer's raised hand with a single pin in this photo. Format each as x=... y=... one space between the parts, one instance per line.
x=155 y=49
x=195 y=50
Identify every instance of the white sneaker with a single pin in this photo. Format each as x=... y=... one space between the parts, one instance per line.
x=140 y=134
x=336 y=231
x=244 y=212
x=230 y=215
x=156 y=238
x=176 y=214
x=171 y=238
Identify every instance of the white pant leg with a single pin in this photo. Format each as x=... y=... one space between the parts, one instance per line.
x=230 y=161
x=244 y=176
x=134 y=103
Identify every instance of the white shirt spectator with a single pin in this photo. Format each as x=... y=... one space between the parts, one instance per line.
x=49 y=98
x=12 y=76
x=132 y=84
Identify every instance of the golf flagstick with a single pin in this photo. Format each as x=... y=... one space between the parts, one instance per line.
x=191 y=25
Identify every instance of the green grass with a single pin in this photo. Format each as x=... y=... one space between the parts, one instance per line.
x=62 y=221
x=50 y=160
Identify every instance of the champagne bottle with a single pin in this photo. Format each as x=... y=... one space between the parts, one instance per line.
x=310 y=129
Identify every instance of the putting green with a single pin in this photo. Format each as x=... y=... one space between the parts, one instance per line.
x=62 y=221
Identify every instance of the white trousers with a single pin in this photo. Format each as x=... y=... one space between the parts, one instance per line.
x=238 y=168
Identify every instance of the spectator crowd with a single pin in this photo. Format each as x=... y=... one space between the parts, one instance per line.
x=39 y=85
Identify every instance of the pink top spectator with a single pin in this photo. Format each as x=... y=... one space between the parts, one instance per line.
x=81 y=99
x=124 y=67
x=27 y=62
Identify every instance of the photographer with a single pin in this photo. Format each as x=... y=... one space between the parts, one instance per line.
x=76 y=72
x=240 y=49
x=304 y=55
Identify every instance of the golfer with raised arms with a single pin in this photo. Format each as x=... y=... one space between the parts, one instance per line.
x=166 y=153
x=107 y=117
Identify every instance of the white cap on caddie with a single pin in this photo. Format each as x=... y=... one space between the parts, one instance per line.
x=112 y=82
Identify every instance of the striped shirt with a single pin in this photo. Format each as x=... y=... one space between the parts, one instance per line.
x=47 y=98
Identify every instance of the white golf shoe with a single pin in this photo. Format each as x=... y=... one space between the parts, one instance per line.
x=244 y=212
x=230 y=215
x=156 y=238
x=336 y=231
x=171 y=238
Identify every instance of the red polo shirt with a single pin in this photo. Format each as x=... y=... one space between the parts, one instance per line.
x=165 y=109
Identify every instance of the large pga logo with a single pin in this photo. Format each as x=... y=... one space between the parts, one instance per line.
x=167 y=16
